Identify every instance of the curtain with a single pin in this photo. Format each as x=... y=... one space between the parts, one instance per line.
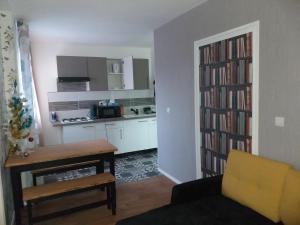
x=26 y=80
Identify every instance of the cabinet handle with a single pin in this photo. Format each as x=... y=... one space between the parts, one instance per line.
x=88 y=127
x=142 y=121
x=121 y=134
x=110 y=124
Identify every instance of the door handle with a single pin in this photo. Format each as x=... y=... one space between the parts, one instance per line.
x=121 y=134
x=88 y=127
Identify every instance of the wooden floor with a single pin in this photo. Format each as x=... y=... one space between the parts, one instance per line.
x=132 y=199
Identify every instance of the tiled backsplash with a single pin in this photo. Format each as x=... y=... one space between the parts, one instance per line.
x=77 y=105
x=72 y=101
x=98 y=95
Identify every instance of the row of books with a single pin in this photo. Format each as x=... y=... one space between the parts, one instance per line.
x=228 y=99
x=211 y=162
x=210 y=141
x=229 y=74
x=231 y=122
x=223 y=163
x=236 y=123
x=208 y=119
x=227 y=49
x=225 y=143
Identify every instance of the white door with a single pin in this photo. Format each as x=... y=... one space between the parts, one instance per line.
x=100 y=131
x=77 y=133
x=115 y=136
x=152 y=133
x=136 y=135
x=128 y=72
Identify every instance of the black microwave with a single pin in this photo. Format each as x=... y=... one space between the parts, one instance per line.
x=108 y=111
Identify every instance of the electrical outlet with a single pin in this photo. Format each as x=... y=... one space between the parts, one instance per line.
x=279 y=121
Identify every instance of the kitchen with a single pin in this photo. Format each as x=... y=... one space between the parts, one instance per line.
x=110 y=98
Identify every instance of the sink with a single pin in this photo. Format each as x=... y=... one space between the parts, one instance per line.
x=128 y=116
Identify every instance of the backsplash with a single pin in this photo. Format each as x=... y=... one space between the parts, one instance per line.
x=77 y=105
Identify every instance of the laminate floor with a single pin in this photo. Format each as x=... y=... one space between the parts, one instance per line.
x=132 y=198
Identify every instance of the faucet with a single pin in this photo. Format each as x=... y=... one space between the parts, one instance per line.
x=136 y=111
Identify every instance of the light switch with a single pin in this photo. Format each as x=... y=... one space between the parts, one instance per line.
x=168 y=110
x=279 y=121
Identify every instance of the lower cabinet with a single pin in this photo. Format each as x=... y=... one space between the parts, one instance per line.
x=127 y=135
x=77 y=133
x=152 y=133
x=115 y=135
x=136 y=135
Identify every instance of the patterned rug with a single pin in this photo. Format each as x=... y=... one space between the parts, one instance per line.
x=133 y=167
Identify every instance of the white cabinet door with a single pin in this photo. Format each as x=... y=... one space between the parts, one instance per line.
x=100 y=131
x=128 y=72
x=115 y=135
x=77 y=133
x=136 y=134
x=152 y=133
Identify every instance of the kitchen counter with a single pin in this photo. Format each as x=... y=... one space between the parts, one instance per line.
x=124 y=117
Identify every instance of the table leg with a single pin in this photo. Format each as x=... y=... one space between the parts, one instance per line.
x=100 y=167
x=17 y=194
x=112 y=164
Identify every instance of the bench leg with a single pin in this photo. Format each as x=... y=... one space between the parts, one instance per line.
x=113 y=198
x=100 y=169
x=34 y=180
x=108 y=194
x=29 y=208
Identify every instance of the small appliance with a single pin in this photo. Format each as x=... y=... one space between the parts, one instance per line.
x=109 y=111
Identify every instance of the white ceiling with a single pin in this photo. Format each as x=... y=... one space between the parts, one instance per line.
x=109 y=22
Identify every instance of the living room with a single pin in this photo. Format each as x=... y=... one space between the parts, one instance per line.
x=175 y=56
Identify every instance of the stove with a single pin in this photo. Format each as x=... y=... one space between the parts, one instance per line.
x=75 y=120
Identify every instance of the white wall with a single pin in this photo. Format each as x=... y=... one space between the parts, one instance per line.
x=44 y=54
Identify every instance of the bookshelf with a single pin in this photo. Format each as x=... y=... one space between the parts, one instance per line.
x=225 y=102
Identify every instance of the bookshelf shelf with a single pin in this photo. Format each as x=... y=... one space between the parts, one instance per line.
x=225 y=86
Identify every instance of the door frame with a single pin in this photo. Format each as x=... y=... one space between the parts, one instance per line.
x=251 y=27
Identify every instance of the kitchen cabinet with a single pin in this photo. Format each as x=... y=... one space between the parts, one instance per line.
x=128 y=73
x=152 y=133
x=115 y=135
x=127 y=135
x=97 y=72
x=120 y=73
x=77 y=133
x=100 y=130
x=141 y=74
x=136 y=135
x=72 y=66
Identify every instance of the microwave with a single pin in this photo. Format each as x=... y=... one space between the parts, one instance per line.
x=108 y=111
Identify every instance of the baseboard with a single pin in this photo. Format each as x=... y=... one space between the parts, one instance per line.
x=13 y=219
x=169 y=176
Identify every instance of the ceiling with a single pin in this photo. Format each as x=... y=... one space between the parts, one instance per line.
x=106 y=22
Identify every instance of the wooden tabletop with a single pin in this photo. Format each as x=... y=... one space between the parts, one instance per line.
x=61 y=151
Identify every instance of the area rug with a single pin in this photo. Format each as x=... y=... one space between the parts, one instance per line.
x=129 y=168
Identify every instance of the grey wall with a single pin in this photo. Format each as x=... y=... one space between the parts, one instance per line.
x=279 y=78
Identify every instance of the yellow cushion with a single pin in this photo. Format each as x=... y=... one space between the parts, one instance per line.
x=290 y=202
x=255 y=182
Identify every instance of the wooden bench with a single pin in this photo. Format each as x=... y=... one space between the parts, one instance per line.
x=59 y=189
x=60 y=169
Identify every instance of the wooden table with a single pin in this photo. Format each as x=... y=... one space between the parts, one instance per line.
x=56 y=155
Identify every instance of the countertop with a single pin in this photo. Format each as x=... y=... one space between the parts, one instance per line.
x=125 y=117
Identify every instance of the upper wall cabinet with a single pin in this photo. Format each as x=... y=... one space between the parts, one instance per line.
x=97 y=71
x=72 y=66
x=102 y=73
x=141 y=73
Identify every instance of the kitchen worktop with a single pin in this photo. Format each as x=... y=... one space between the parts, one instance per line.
x=124 y=117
